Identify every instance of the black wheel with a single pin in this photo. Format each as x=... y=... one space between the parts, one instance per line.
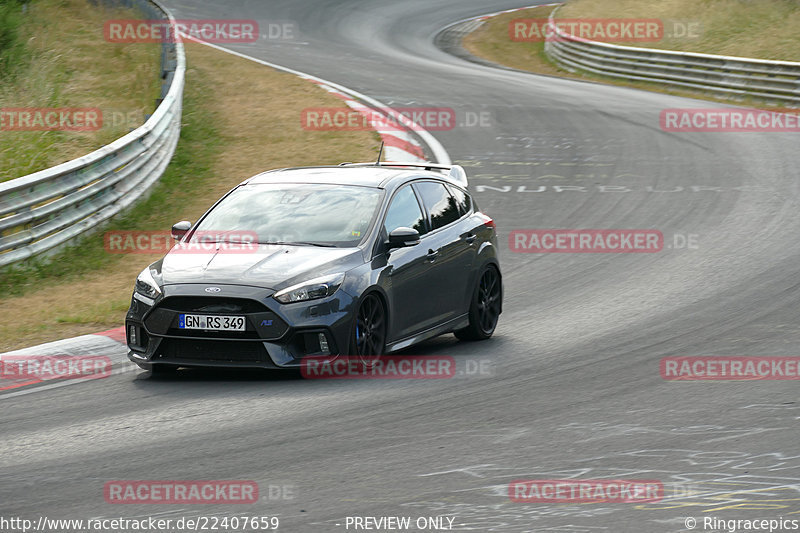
x=484 y=311
x=369 y=330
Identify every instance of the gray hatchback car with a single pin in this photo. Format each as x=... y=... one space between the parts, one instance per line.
x=355 y=259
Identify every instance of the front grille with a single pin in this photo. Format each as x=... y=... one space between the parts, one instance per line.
x=212 y=351
x=211 y=334
x=261 y=323
x=211 y=304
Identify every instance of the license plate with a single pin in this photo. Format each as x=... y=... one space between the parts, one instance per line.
x=214 y=322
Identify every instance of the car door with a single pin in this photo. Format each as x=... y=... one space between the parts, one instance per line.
x=469 y=231
x=410 y=297
x=449 y=251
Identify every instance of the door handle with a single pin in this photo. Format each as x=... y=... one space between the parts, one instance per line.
x=432 y=255
x=470 y=238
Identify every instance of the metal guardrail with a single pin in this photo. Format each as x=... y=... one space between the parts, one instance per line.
x=773 y=81
x=45 y=210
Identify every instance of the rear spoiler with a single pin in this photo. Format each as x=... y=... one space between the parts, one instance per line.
x=455 y=172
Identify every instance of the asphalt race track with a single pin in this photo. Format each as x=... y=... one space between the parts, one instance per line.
x=570 y=386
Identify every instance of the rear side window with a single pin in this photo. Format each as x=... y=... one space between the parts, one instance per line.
x=463 y=200
x=439 y=203
x=404 y=212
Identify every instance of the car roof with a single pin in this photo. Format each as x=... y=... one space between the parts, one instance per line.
x=361 y=175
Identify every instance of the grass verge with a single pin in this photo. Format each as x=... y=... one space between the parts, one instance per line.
x=762 y=29
x=231 y=131
x=53 y=55
x=491 y=41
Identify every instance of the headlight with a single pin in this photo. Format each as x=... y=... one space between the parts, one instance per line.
x=310 y=290
x=146 y=284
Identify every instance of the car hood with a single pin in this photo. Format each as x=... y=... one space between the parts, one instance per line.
x=267 y=266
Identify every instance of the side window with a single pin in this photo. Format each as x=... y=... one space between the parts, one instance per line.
x=439 y=203
x=463 y=200
x=404 y=211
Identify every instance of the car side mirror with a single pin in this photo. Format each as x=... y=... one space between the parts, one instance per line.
x=402 y=237
x=180 y=229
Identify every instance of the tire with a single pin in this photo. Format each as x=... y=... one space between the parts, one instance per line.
x=484 y=310
x=368 y=336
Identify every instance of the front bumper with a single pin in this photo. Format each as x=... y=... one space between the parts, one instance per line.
x=276 y=335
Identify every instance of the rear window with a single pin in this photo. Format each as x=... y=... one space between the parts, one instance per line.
x=463 y=200
x=439 y=202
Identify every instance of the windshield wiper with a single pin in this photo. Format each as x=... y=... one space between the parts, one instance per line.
x=301 y=243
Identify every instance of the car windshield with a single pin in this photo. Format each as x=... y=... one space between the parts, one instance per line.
x=292 y=213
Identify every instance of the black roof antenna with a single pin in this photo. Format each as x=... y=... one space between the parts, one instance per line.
x=380 y=153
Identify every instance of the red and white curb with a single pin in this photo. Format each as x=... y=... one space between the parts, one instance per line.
x=399 y=144
x=514 y=10
x=479 y=20
x=109 y=344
